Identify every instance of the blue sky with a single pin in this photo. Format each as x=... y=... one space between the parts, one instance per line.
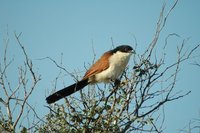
x=50 y=28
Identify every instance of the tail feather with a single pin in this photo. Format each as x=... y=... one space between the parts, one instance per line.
x=66 y=91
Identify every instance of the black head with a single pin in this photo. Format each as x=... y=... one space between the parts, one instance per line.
x=123 y=48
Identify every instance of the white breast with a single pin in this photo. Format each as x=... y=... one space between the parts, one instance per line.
x=118 y=62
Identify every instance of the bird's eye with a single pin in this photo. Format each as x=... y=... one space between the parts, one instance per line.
x=125 y=50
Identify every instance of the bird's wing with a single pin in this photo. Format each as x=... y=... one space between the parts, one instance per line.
x=99 y=65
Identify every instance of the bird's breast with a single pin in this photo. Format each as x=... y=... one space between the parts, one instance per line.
x=117 y=64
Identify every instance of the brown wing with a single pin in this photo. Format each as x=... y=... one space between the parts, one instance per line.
x=99 y=66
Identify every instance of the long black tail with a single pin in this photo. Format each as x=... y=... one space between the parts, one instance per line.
x=67 y=91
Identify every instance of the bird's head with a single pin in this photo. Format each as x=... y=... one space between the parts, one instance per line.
x=124 y=49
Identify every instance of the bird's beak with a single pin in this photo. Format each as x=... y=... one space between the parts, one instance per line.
x=132 y=52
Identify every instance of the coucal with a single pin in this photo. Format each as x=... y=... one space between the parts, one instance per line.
x=108 y=68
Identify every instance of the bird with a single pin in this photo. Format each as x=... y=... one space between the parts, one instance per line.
x=106 y=69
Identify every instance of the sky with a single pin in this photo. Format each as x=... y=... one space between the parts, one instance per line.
x=77 y=29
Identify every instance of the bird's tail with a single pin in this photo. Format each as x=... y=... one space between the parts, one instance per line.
x=67 y=91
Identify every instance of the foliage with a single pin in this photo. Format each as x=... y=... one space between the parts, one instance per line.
x=136 y=104
x=133 y=105
x=15 y=99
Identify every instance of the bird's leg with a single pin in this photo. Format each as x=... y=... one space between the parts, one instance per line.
x=117 y=82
